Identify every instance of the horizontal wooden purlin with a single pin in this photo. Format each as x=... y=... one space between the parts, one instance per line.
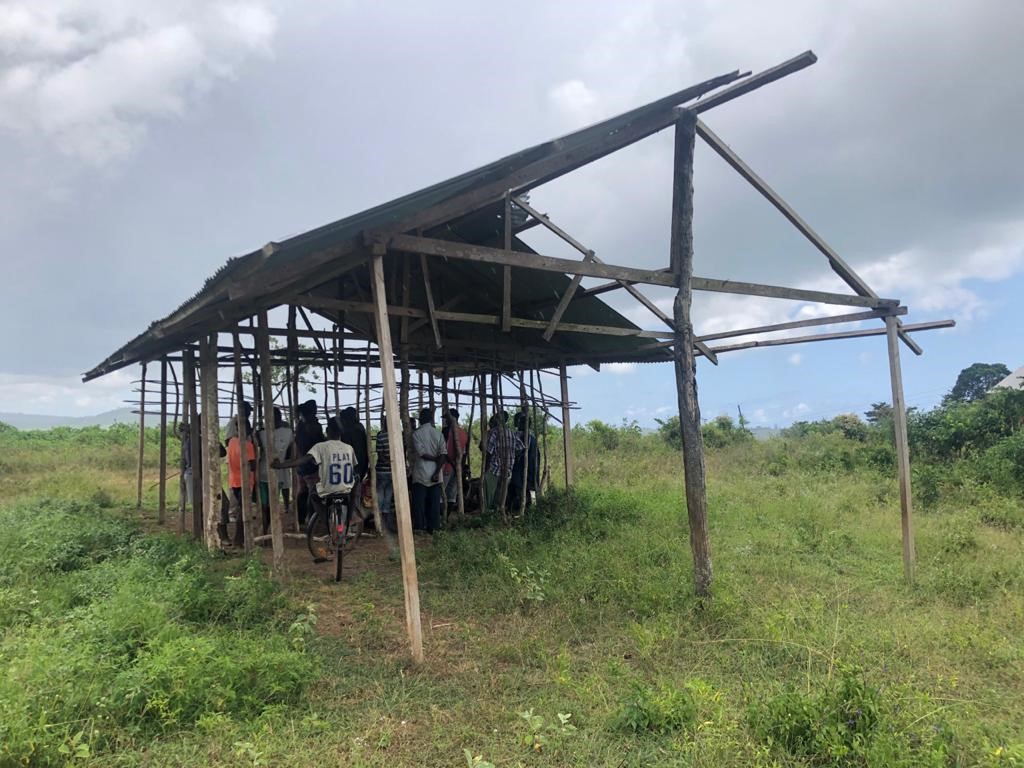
x=469 y=252
x=484 y=319
x=873 y=314
x=831 y=336
x=781 y=292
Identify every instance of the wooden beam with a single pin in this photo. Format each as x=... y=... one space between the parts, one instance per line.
x=839 y=266
x=859 y=334
x=142 y=436
x=162 y=503
x=681 y=260
x=397 y=445
x=899 y=411
x=430 y=300
x=506 y=272
x=479 y=253
x=805 y=59
x=267 y=383
x=872 y=314
x=781 y=292
x=563 y=304
x=566 y=427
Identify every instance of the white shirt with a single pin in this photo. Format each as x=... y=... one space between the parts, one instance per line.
x=281 y=440
x=337 y=466
x=427 y=440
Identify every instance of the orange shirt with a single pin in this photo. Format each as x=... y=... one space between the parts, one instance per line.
x=235 y=464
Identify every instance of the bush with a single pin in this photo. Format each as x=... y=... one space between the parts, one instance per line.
x=113 y=636
x=661 y=710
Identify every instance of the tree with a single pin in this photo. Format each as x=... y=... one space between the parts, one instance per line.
x=975 y=381
x=878 y=413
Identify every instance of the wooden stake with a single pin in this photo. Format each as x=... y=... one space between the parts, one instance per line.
x=402 y=507
x=142 y=435
x=681 y=252
x=266 y=377
x=247 y=514
x=566 y=427
x=294 y=371
x=484 y=428
x=899 y=412
x=545 y=475
x=162 y=505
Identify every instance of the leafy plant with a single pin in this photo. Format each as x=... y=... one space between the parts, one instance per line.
x=656 y=710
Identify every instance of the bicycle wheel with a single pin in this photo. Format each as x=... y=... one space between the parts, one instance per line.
x=318 y=537
x=353 y=529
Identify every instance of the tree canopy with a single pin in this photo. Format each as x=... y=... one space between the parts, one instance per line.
x=976 y=380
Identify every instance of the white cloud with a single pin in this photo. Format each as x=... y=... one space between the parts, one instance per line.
x=573 y=99
x=795 y=359
x=64 y=395
x=89 y=78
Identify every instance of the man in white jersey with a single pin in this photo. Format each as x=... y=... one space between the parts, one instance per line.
x=333 y=462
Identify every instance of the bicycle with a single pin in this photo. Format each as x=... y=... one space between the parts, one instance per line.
x=333 y=530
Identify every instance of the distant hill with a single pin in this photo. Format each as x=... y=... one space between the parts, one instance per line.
x=763 y=433
x=34 y=421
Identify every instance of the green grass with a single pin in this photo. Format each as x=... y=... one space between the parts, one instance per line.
x=813 y=650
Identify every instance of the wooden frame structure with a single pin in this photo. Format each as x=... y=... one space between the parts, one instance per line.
x=439 y=285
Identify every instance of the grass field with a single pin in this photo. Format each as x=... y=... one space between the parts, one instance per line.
x=570 y=639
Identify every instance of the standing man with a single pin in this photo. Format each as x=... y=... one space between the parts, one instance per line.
x=528 y=457
x=235 y=481
x=457 y=443
x=308 y=433
x=429 y=454
x=278 y=445
x=354 y=433
x=502 y=446
x=385 y=484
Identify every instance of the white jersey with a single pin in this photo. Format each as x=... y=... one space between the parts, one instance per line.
x=337 y=465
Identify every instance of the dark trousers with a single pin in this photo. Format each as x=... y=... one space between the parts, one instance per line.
x=426 y=507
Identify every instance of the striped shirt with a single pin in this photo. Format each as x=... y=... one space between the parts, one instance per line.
x=383 y=452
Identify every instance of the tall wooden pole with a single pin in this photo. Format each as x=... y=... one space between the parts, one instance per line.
x=524 y=408
x=142 y=435
x=484 y=427
x=247 y=514
x=566 y=427
x=899 y=412
x=267 y=382
x=402 y=507
x=211 y=441
x=162 y=506
x=681 y=262
x=188 y=374
x=293 y=343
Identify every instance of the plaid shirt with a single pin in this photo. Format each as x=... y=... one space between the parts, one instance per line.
x=503 y=445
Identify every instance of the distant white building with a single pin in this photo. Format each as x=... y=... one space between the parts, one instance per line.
x=1014 y=381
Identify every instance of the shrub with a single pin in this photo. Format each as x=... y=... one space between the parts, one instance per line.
x=656 y=710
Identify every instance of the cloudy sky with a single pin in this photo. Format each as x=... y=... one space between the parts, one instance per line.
x=145 y=142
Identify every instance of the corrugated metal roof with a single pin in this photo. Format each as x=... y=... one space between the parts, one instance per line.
x=212 y=307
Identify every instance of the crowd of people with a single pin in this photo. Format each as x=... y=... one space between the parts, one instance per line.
x=338 y=461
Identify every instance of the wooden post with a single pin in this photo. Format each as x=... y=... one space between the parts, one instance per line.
x=142 y=434
x=899 y=412
x=526 y=445
x=566 y=427
x=267 y=381
x=484 y=427
x=294 y=369
x=188 y=373
x=402 y=508
x=162 y=506
x=498 y=394
x=544 y=475
x=681 y=261
x=247 y=513
x=211 y=441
